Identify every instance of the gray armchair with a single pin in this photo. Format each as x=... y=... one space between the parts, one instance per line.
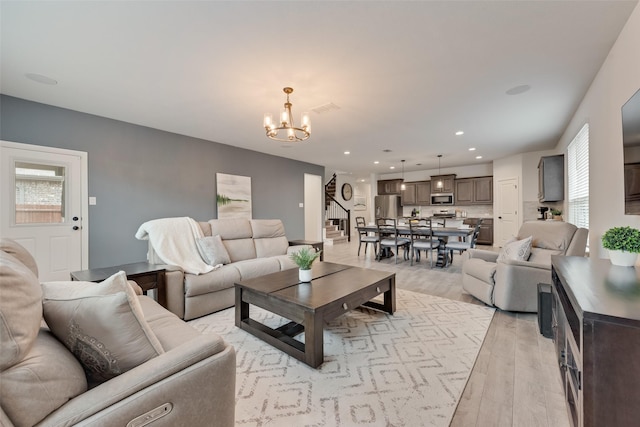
x=512 y=285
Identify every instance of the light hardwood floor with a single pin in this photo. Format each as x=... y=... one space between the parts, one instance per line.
x=515 y=381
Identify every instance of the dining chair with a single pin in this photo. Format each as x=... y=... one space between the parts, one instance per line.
x=363 y=237
x=453 y=223
x=422 y=239
x=390 y=238
x=468 y=243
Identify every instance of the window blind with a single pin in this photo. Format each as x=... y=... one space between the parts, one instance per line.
x=578 y=176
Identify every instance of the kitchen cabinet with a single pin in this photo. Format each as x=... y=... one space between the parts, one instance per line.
x=464 y=191
x=595 y=320
x=423 y=193
x=416 y=193
x=389 y=186
x=485 y=237
x=551 y=178
x=409 y=194
x=474 y=191
x=447 y=183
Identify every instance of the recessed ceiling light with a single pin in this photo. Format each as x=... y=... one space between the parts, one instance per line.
x=347 y=152
x=392 y=167
x=478 y=157
x=376 y=162
x=472 y=149
x=517 y=90
x=459 y=133
x=363 y=180
x=41 y=79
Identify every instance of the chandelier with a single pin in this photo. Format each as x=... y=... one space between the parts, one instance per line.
x=291 y=133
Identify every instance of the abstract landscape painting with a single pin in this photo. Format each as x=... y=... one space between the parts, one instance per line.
x=234 y=196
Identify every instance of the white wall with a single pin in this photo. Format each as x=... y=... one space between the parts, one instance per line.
x=617 y=80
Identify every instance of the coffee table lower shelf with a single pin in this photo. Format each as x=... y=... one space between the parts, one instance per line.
x=309 y=312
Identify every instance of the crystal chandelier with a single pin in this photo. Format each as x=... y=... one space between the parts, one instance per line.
x=291 y=133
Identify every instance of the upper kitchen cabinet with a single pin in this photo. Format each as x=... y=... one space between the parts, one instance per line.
x=423 y=193
x=389 y=186
x=416 y=193
x=409 y=194
x=447 y=183
x=474 y=191
x=551 y=178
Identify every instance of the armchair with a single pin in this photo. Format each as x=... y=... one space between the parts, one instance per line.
x=512 y=284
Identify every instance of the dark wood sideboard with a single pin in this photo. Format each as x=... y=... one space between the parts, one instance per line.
x=596 y=330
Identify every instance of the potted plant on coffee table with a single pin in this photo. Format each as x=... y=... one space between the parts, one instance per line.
x=623 y=244
x=303 y=259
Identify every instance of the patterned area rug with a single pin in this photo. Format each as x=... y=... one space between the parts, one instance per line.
x=408 y=369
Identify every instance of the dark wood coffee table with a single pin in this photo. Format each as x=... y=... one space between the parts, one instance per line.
x=334 y=290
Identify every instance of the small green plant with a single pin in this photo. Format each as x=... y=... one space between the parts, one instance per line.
x=622 y=239
x=304 y=258
x=556 y=212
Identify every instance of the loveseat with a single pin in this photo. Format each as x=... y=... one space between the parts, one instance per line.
x=250 y=248
x=107 y=355
x=508 y=279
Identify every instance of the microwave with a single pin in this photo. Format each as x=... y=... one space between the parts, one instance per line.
x=442 y=199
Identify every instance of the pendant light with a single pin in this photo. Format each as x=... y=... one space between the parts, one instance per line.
x=439 y=184
x=403 y=187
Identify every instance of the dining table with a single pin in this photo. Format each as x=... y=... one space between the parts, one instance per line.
x=442 y=233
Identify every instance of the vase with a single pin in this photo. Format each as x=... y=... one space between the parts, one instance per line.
x=623 y=258
x=304 y=275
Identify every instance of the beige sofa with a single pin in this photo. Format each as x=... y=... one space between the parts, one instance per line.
x=190 y=382
x=255 y=247
x=512 y=284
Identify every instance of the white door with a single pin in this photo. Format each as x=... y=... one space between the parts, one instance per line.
x=313 y=207
x=508 y=220
x=43 y=203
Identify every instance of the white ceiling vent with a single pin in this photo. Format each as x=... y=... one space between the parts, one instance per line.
x=325 y=108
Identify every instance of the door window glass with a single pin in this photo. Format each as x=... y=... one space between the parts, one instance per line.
x=40 y=193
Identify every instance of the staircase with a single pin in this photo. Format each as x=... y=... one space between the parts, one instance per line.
x=337 y=224
x=332 y=235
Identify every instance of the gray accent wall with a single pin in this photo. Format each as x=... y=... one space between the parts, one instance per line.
x=139 y=173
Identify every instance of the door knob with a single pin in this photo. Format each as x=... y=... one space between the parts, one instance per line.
x=75 y=227
x=75 y=218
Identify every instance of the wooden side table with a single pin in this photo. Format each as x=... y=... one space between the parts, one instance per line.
x=147 y=276
x=318 y=246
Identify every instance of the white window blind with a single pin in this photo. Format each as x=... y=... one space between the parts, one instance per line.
x=578 y=175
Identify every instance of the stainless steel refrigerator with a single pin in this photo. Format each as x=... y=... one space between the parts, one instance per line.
x=388 y=206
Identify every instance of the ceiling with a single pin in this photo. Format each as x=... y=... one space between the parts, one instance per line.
x=404 y=76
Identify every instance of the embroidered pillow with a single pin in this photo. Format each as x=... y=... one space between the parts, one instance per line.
x=212 y=250
x=518 y=250
x=102 y=324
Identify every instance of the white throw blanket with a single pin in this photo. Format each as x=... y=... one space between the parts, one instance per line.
x=174 y=240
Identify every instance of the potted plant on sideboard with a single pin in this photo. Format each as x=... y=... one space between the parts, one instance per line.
x=303 y=259
x=623 y=244
x=557 y=214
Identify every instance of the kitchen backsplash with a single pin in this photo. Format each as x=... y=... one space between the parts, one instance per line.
x=476 y=211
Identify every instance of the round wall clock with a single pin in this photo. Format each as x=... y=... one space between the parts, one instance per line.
x=347 y=191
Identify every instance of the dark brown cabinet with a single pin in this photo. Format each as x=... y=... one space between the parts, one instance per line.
x=389 y=186
x=464 y=191
x=409 y=194
x=416 y=193
x=596 y=331
x=423 y=193
x=447 y=183
x=485 y=237
x=474 y=191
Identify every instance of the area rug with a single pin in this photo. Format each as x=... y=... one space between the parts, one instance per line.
x=408 y=369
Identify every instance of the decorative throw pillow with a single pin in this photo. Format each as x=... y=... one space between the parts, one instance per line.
x=518 y=250
x=212 y=250
x=101 y=324
x=20 y=310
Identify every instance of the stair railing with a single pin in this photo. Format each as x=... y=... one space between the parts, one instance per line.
x=335 y=212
